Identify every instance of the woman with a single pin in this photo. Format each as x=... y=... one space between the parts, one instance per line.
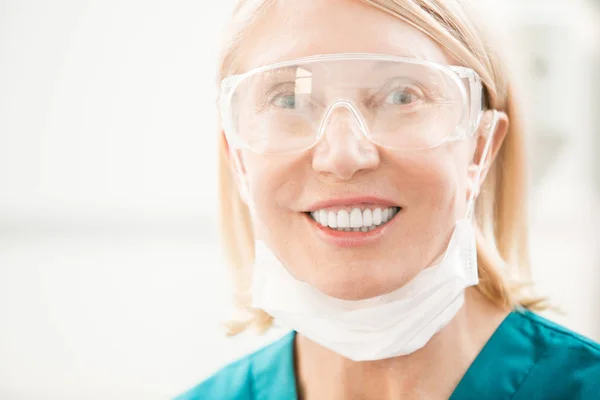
x=357 y=136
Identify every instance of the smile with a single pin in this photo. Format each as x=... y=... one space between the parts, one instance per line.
x=364 y=219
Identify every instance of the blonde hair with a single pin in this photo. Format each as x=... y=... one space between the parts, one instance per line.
x=500 y=209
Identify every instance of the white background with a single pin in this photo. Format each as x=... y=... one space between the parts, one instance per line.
x=111 y=284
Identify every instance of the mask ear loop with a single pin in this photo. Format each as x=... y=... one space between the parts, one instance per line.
x=486 y=148
x=241 y=183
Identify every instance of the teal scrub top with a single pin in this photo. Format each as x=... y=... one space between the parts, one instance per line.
x=527 y=358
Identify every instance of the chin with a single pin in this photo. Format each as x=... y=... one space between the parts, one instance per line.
x=360 y=288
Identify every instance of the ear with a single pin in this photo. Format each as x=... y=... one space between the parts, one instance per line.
x=233 y=159
x=483 y=133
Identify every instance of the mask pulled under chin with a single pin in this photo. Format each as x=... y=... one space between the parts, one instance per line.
x=390 y=325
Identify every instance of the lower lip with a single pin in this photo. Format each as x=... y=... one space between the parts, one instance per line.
x=351 y=239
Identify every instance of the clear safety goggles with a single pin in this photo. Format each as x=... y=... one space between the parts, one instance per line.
x=395 y=102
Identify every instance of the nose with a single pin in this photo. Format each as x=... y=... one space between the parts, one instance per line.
x=343 y=149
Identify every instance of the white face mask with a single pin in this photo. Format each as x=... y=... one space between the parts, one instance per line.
x=390 y=325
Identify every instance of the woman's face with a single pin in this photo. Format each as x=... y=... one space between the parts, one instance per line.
x=344 y=172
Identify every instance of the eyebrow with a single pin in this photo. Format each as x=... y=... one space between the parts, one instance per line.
x=265 y=61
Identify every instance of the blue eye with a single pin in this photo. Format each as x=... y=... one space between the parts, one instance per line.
x=285 y=101
x=400 y=97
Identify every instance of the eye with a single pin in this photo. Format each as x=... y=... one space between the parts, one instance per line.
x=285 y=101
x=401 y=96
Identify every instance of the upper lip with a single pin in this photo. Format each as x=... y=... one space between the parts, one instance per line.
x=352 y=201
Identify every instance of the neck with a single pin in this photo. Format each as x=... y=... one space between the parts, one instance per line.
x=432 y=372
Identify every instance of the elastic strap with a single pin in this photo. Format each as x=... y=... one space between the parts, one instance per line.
x=486 y=148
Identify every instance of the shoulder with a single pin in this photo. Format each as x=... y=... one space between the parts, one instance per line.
x=565 y=365
x=238 y=380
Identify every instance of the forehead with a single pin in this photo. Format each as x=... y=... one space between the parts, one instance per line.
x=295 y=29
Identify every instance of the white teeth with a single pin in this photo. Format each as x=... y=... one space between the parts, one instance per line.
x=356 y=220
x=332 y=219
x=377 y=216
x=367 y=217
x=323 y=217
x=343 y=219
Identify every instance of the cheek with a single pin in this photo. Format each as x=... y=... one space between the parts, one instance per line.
x=431 y=182
x=274 y=182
